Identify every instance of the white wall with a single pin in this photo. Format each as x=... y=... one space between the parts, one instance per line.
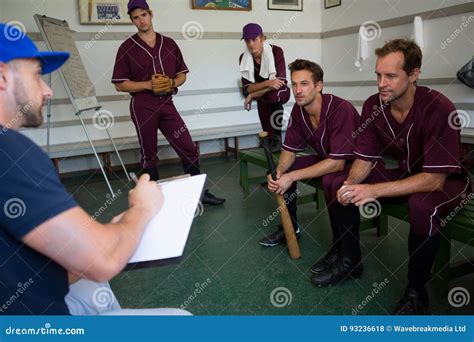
x=442 y=59
x=355 y=12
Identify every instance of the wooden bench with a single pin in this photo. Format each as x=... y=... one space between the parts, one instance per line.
x=105 y=148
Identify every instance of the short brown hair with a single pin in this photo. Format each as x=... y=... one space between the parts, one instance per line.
x=411 y=52
x=314 y=68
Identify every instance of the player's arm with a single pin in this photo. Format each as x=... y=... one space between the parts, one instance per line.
x=421 y=182
x=319 y=169
x=133 y=87
x=359 y=171
x=179 y=79
x=265 y=86
x=92 y=250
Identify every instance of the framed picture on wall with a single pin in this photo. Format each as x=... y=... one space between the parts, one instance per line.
x=109 y=12
x=234 y=5
x=285 y=5
x=331 y=3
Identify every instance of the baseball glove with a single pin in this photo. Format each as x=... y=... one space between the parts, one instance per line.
x=161 y=84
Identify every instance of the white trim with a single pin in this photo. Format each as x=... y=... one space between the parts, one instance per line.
x=441 y=166
x=322 y=136
x=120 y=79
x=294 y=149
x=139 y=134
x=325 y=118
x=408 y=147
x=365 y=155
x=301 y=110
x=436 y=208
x=149 y=54
x=159 y=56
x=341 y=154
x=383 y=112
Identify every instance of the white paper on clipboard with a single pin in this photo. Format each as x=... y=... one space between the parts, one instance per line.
x=166 y=235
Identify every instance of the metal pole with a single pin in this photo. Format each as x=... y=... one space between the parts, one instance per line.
x=96 y=155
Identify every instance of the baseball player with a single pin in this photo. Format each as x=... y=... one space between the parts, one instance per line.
x=263 y=71
x=415 y=125
x=323 y=123
x=150 y=67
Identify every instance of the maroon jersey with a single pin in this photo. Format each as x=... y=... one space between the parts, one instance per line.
x=334 y=136
x=423 y=142
x=136 y=61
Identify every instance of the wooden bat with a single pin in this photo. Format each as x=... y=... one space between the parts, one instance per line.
x=285 y=217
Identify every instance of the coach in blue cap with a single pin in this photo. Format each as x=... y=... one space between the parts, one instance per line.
x=47 y=241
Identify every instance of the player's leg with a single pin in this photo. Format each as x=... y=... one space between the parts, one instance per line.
x=146 y=124
x=428 y=213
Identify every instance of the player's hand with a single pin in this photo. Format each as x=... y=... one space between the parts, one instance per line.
x=248 y=103
x=344 y=193
x=275 y=84
x=147 y=196
x=273 y=184
x=284 y=182
x=357 y=194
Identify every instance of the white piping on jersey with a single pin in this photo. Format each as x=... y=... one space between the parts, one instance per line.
x=325 y=117
x=365 y=155
x=152 y=59
x=383 y=112
x=452 y=199
x=159 y=56
x=139 y=134
x=341 y=154
x=457 y=166
x=408 y=148
x=294 y=149
x=120 y=79
x=301 y=110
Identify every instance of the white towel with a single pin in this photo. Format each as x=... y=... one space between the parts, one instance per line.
x=362 y=49
x=418 y=32
x=267 y=66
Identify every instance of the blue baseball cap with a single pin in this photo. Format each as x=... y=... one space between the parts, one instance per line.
x=15 y=44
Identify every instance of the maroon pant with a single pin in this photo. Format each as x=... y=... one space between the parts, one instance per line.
x=427 y=210
x=270 y=109
x=151 y=113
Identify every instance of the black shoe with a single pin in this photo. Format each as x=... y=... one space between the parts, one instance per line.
x=210 y=199
x=276 y=238
x=413 y=302
x=331 y=257
x=343 y=269
x=276 y=146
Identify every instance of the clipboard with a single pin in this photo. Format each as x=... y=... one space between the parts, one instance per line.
x=166 y=235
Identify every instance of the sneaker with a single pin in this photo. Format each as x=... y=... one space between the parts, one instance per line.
x=331 y=257
x=276 y=238
x=413 y=302
x=343 y=269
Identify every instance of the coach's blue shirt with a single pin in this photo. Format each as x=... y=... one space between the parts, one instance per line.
x=30 y=194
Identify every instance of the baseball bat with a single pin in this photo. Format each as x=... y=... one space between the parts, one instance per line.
x=285 y=217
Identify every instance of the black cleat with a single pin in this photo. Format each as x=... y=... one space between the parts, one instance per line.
x=210 y=199
x=343 y=269
x=413 y=302
x=276 y=238
x=331 y=257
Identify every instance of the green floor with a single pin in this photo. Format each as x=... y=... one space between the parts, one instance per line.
x=225 y=271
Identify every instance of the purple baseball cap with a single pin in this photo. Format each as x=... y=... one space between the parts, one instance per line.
x=251 y=31
x=15 y=44
x=132 y=4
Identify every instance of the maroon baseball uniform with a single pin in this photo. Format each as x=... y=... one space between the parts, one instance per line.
x=273 y=101
x=136 y=61
x=424 y=142
x=333 y=138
